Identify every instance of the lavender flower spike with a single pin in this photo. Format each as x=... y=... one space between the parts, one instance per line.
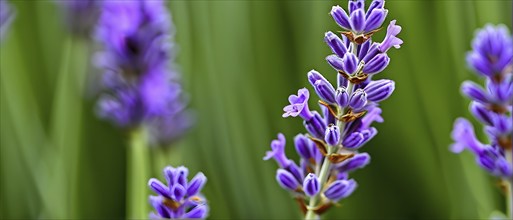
x=6 y=16
x=492 y=106
x=330 y=150
x=140 y=89
x=179 y=198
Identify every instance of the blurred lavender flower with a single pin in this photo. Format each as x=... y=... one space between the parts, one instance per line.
x=491 y=58
x=140 y=87
x=81 y=15
x=6 y=16
x=180 y=198
x=329 y=151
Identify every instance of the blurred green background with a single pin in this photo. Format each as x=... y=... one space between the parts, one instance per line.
x=240 y=60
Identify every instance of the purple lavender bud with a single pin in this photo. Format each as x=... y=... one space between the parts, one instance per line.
x=196 y=184
x=200 y=212
x=502 y=124
x=341 y=81
x=328 y=117
x=335 y=43
x=492 y=50
x=336 y=62
x=303 y=146
x=340 y=189
x=355 y=5
x=390 y=39
x=178 y=192
x=357 y=162
x=370 y=53
x=298 y=105
x=357 y=20
x=358 y=139
x=494 y=162
x=181 y=176
x=332 y=136
x=286 y=180
x=340 y=16
x=342 y=97
x=159 y=188
x=311 y=185
x=377 y=64
x=325 y=91
x=278 y=152
x=188 y=202
x=474 y=91
x=379 y=90
x=354 y=140
x=313 y=76
x=358 y=99
x=375 y=19
x=504 y=168
x=501 y=92
x=6 y=16
x=481 y=112
x=363 y=49
x=316 y=126
x=350 y=63
x=295 y=170
x=375 y=4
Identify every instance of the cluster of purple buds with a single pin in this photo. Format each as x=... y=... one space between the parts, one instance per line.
x=330 y=149
x=140 y=88
x=180 y=198
x=491 y=58
x=81 y=15
x=6 y=15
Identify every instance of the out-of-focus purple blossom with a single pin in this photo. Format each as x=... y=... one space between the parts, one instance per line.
x=81 y=15
x=179 y=198
x=330 y=149
x=6 y=16
x=140 y=87
x=491 y=57
x=492 y=51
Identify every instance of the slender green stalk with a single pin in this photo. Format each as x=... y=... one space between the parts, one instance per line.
x=509 y=187
x=137 y=175
x=323 y=176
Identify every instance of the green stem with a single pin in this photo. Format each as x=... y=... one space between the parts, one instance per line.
x=323 y=176
x=509 y=187
x=137 y=175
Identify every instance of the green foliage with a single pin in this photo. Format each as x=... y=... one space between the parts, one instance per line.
x=240 y=60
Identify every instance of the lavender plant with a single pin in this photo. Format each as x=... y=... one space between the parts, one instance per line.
x=179 y=199
x=141 y=92
x=140 y=87
x=491 y=59
x=6 y=15
x=330 y=149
